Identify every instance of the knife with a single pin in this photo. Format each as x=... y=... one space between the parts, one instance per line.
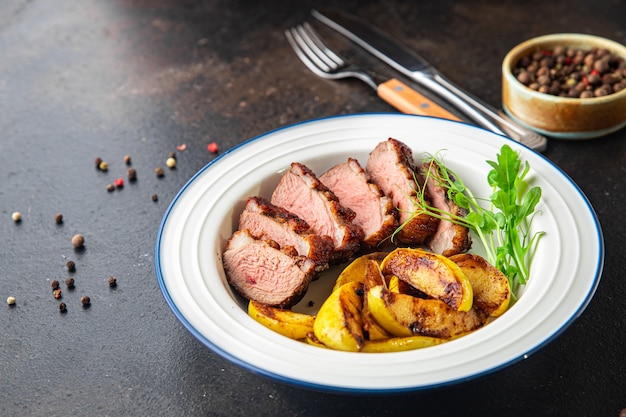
x=408 y=100
x=325 y=63
x=419 y=70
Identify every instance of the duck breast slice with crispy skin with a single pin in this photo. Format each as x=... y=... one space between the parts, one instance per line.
x=391 y=166
x=301 y=192
x=374 y=211
x=265 y=220
x=449 y=238
x=261 y=271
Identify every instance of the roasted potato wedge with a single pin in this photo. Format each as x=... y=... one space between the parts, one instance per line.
x=394 y=284
x=313 y=341
x=373 y=277
x=286 y=322
x=435 y=275
x=492 y=293
x=405 y=315
x=398 y=344
x=338 y=323
x=355 y=271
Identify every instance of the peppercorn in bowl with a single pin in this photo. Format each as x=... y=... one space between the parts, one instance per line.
x=567 y=86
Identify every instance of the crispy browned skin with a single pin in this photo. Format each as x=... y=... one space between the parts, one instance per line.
x=299 y=191
x=375 y=213
x=449 y=238
x=391 y=166
x=266 y=221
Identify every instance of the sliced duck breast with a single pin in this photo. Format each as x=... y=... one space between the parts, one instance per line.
x=265 y=220
x=391 y=166
x=300 y=192
x=449 y=238
x=259 y=270
x=374 y=211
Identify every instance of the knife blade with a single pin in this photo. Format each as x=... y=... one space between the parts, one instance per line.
x=422 y=72
x=325 y=63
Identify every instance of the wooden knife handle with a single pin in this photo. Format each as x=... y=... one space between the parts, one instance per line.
x=407 y=100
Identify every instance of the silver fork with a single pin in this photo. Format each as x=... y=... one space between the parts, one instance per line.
x=325 y=63
x=320 y=59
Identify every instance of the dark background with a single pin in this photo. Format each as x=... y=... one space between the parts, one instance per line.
x=81 y=79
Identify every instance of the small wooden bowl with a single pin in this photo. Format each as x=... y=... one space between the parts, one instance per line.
x=561 y=117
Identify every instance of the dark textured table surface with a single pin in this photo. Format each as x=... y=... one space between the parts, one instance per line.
x=81 y=79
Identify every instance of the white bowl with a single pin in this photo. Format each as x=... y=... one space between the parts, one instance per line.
x=194 y=231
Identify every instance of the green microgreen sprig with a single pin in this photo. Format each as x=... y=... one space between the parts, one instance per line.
x=504 y=228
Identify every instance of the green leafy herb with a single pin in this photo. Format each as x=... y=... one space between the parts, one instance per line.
x=503 y=227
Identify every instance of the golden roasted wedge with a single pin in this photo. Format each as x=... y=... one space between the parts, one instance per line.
x=434 y=275
x=355 y=271
x=286 y=322
x=492 y=293
x=373 y=277
x=405 y=315
x=338 y=323
x=375 y=331
x=313 y=341
x=399 y=344
x=394 y=284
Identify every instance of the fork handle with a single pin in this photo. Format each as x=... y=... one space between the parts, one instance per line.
x=407 y=100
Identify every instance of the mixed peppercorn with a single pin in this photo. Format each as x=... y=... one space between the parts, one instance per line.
x=572 y=72
x=78 y=240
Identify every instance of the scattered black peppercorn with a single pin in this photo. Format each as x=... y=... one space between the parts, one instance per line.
x=311 y=303
x=69 y=283
x=132 y=174
x=110 y=187
x=172 y=155
x=155 y=197
x=54 y=284
x=159 y=172
x=58 y=218
x=127 y=159
x=62 y=308
x=112 y=282
x=98 y=161
x=85 y=301
x=71 y=266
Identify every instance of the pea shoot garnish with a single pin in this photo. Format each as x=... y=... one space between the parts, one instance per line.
x=504 y=228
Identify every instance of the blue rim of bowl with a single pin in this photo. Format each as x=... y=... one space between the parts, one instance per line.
x=352 y=390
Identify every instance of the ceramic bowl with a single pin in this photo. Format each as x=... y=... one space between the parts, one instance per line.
x=565 y=271
x=562 y=117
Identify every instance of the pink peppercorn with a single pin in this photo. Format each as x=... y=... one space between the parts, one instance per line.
x=212 y=147
x=119 y=183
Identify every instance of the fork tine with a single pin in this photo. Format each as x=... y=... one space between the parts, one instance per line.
x=292 y=37
x=304 y=51
x=316 y=43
